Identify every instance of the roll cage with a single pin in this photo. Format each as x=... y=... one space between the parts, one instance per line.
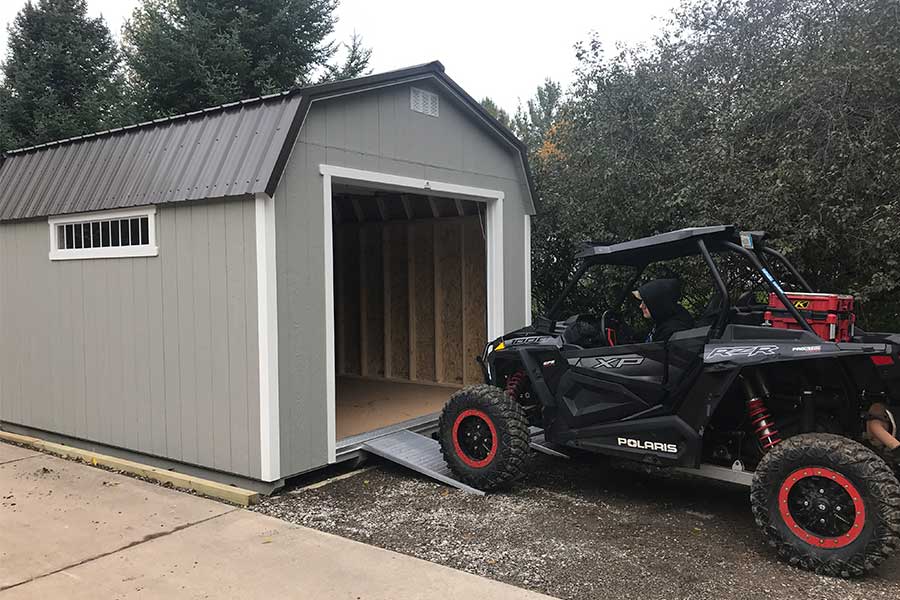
x=692 y=241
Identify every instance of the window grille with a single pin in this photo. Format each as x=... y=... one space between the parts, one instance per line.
x=110 y=234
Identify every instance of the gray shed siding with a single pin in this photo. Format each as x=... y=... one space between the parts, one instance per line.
x=374 y=131
x=156 y=355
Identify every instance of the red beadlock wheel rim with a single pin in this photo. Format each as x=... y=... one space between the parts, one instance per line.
x=473 y=425
x=822 y=507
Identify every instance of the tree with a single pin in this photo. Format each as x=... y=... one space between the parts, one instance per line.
x=61 y=75
x=496 y=112
x=532 y=122
x=183 y=55
x=778 y=115
x=355 y=64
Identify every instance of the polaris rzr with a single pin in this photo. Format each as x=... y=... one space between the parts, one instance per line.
x=771 y=388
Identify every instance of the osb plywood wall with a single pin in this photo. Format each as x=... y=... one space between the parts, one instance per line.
x=410 y=299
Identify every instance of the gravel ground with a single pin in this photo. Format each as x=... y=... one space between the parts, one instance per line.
x=575 y=529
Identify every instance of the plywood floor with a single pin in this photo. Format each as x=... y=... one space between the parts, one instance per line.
x=362 y=405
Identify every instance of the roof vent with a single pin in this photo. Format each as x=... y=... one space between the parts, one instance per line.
x=424 y=102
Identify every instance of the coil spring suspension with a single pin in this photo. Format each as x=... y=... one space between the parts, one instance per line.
x=517 y=384
x=762 y=423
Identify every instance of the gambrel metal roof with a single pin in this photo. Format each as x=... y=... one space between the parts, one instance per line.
x=227 y=151
x=233 y=150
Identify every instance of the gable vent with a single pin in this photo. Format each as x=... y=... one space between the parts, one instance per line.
x=424 y=102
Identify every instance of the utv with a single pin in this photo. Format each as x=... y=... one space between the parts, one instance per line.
x=771 y=389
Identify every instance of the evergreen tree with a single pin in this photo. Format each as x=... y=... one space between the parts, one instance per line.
x=61 y=75
x=355 y=64
x=183 y=55
x=495 y=111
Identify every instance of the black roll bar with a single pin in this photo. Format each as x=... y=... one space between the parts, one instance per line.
x=628 y=288
x=551 y=314
x=567 y=290
x=773 y=285
x=720 y=283
x=784 y=260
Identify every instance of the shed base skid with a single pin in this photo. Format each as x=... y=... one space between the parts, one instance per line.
x=262 y=487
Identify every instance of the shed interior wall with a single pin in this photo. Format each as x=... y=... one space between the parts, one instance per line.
x=410 y=304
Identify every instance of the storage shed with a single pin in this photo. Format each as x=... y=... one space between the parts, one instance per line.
x=249 y=290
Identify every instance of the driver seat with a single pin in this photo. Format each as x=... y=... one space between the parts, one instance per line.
x=584 y=332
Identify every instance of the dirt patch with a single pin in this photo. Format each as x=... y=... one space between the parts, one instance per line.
x=575 y=529
x=42 y=473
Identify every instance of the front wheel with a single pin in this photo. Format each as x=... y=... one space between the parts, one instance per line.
x=827 y=504
x=484 y=436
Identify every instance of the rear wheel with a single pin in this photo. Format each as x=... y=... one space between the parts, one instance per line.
x=484 y=436
x=827 y=504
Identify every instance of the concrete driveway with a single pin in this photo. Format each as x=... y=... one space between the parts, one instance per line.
x=68 y=530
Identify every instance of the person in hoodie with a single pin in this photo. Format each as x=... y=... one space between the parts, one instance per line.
x=659 y=302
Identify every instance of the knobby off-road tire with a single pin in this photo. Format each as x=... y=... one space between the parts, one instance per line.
x=484 y=437
x=816 y=477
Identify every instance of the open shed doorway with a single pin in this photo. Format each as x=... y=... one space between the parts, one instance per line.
x=410 y=303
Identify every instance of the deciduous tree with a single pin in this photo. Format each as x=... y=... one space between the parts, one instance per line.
x=780 y=115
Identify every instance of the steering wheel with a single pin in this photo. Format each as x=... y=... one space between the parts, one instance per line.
x=615 y=330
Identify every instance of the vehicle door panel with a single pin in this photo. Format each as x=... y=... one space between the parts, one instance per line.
x=608 y=383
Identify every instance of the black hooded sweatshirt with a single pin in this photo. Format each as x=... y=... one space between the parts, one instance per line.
x=661 y=297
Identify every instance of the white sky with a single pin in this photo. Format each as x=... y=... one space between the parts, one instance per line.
x=496 y=48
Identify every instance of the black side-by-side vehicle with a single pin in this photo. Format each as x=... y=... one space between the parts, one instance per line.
x=770 y=390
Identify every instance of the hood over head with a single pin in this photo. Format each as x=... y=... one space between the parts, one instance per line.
x=661 y=297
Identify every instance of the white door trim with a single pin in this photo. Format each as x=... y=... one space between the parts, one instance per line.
x=493 y=246
x=267 y=330
x=527 y=257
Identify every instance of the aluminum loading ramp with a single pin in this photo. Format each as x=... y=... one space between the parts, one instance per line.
x=423 y=454
x=419 y=453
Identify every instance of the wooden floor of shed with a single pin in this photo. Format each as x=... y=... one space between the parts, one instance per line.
x=365 y=404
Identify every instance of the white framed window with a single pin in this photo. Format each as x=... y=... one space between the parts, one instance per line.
x=104 y=234
x=425 y=102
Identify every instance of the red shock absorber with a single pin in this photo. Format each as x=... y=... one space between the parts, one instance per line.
x=516 y=384
x=762 y=423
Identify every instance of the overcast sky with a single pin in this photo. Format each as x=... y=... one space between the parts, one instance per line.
x=496 y=48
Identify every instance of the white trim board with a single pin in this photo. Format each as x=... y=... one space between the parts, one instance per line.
x=401 y=183
x=267 y=330
x=527 y=251
x=330 y=374
x=493 y=246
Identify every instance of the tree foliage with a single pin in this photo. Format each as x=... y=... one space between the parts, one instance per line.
x=354 y=64
x=533 y=121
x=61 y=75
x=780 y=115
x=183 y=55
x=495 y=111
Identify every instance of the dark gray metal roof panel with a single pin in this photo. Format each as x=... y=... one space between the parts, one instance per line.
x=664 y=246
x=230 y=151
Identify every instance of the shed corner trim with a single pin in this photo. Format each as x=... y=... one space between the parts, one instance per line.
x=267 y=328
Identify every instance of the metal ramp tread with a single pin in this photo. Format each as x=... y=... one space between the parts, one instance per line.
x=416 y=452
